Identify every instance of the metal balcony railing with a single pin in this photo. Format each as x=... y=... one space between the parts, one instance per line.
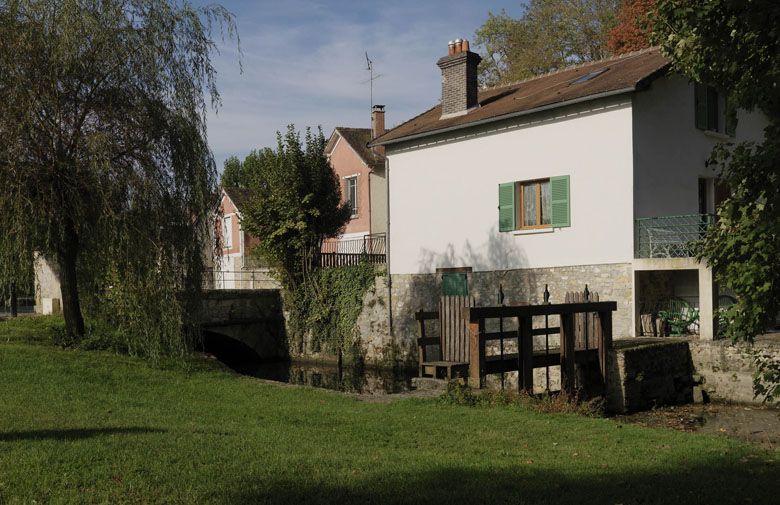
x=669 y=236
x=340 y=252
x=259 y=278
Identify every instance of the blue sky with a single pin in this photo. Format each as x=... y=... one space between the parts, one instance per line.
x=304 y=63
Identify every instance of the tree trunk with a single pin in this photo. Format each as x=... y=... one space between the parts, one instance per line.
x=71 y=308
x=14 y=301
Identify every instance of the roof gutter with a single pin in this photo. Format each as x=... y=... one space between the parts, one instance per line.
x=543 y=108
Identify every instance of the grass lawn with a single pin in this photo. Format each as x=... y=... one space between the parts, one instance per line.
x=93 y=427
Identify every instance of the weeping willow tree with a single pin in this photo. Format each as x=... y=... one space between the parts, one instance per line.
x=104 y=165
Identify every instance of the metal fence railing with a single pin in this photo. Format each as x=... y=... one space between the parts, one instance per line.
x=24 y=305
x=259 y=278
x=344 y=252
x=669 y=236
x=368 y=244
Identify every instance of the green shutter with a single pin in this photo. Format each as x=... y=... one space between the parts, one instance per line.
x=454 y=284
x=560 y=201
x=506 y=206
x=700 y=98
x=731 y=116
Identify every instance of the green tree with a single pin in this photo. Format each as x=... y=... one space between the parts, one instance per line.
x=105 y=165
x=735 y=47
x=233 y=174
x=296 y=204
x=548 y=35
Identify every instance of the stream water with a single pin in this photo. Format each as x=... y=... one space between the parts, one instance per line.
x=351 y=379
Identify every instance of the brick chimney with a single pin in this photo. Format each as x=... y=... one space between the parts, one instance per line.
x=378 y=126
x=458 y=79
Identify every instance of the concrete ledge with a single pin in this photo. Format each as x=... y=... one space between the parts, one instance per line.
x=649 y=373
x=641 y=264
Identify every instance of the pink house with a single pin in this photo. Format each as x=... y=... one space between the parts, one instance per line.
x=235 y=267
x=361 y=171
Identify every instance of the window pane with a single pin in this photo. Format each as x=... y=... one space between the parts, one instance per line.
x=529 y=205
x=545 y=210
x=352 y=194
x=227 y=231
x=713 y=113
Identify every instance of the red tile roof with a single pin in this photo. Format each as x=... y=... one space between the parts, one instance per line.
x=621 y=74
x=359 y=138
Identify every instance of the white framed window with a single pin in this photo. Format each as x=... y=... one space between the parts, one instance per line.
x=350 y=193
x=227 y=231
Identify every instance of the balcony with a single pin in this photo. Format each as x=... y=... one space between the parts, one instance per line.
x=345 y=252
x=669 y=236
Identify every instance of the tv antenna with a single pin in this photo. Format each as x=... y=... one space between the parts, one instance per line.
x=371 y=78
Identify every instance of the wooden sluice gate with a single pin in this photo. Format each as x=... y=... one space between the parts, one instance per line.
x=474 y=341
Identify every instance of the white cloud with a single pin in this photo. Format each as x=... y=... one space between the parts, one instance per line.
x=304 y=63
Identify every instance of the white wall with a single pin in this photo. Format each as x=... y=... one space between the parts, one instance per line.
x=444 y=196
x=670 y=151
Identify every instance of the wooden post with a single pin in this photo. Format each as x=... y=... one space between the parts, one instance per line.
x=525 y=376
x=476 y=353
x=14 y=301
x=567 y=353
x=421 y=334
x=605 y=343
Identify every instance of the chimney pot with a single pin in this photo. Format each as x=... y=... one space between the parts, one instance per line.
x=459 y=88
x=451 y=47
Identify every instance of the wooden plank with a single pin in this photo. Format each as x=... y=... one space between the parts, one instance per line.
x=421 y=349
x=453 y=312
x=476 y=313
x=476 y=353
x=567 y=353
x=526 y=348
x=552 y=330
x=579 y=323
x=443 y=363
x=423 y=315
x=605 y=344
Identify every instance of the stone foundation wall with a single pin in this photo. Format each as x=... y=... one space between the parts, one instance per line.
x=725 y=370
x=412 y=292
x=373 y=325
x=644 y=376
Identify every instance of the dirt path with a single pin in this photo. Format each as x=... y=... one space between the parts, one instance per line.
x=758 y=425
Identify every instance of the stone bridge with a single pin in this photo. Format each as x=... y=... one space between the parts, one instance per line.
x=252 y=317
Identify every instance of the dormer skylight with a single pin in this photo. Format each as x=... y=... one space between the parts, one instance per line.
x=590 y=75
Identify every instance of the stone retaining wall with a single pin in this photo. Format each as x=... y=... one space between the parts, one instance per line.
x=725 y=370
x=412 y=292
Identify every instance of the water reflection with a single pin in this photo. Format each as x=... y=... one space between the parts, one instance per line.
x=364 y=380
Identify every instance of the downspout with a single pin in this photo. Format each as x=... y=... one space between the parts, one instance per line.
x=369 y=172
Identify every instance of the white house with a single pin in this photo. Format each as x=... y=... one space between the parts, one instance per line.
x=595 y=174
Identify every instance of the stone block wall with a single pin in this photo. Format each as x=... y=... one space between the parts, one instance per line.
x=647 y=375
x=412 y=292
x=725 y=370
x=48 y=295
x=373 y=325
